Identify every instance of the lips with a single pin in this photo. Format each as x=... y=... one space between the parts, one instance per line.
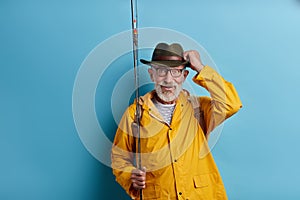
x=167 y=88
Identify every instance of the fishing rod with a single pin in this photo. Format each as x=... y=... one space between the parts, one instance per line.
x=136 y=123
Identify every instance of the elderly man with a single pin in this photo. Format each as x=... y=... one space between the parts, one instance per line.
x=174 y=128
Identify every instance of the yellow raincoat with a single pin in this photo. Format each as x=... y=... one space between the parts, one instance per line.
x=177 y=158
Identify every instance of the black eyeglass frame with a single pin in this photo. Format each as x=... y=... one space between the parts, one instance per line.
x=171 y=70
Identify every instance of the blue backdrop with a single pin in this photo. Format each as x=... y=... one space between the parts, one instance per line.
x=255 y=45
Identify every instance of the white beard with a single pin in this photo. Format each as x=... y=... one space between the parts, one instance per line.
x=167 y=96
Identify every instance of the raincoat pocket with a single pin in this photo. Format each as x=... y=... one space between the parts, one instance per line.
x=151 y=192
x=208 y=186
x=201 y=181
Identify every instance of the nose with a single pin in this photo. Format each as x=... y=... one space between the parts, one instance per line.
x=169 y=77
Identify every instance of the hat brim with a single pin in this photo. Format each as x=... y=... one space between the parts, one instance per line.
x=165 y=63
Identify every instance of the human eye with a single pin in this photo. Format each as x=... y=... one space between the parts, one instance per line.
x=162 y=71
x=176 y=72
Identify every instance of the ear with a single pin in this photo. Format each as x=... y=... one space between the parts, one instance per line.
x=185 y=73
x=150 y=71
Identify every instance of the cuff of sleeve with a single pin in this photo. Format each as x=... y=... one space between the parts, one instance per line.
x=207 y=73
x=124 y=179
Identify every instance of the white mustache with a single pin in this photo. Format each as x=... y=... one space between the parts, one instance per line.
x=168 y=84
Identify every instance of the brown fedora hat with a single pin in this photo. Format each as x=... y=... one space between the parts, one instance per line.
x=167 y=55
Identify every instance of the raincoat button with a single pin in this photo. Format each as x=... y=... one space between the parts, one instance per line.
x=180 y=193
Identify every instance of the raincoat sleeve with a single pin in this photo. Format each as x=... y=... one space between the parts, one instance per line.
x=122 y=154
x=223 y=101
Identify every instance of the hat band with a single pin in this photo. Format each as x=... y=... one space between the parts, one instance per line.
x=161 y=58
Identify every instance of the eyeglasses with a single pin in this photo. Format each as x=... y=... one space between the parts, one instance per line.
x=162 y=72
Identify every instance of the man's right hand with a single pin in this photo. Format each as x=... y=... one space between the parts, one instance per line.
x=138 y=178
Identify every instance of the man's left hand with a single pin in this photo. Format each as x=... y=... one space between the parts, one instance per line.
x=194 y=58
